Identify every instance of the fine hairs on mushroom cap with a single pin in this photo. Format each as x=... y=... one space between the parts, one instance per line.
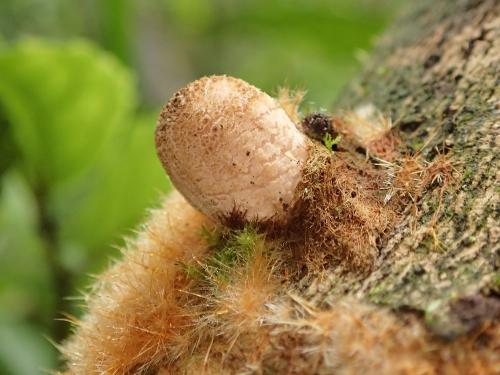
x=230 y=148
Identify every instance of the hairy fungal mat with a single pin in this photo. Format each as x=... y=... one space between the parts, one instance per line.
x=211 y=285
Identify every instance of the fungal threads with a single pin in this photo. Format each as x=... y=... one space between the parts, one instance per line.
x=341 y=215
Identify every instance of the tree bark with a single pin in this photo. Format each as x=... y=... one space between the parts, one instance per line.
x=436 y=73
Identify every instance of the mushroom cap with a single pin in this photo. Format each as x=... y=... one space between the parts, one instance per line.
x=230 y=148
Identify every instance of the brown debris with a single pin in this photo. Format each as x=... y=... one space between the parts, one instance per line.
x=340 y=215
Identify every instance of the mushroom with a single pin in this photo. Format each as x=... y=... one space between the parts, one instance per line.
x=229 y=147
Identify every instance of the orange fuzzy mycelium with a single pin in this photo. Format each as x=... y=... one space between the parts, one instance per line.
x=290 y=101
x=408 y=177
x=368 y=128
x=341 y=214
x=136 y=314
x=237 y=300
x=241 y=302
x=347 y=337
x=350 y=337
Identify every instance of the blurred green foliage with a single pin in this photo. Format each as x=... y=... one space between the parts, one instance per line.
x=82 y=170
x=81 y=83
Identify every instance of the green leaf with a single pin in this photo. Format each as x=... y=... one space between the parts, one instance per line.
x=26 y=289
x=24 y=350
x=63 y=101
x=117 y=27
x=192 y=16
x=8 y=152
x=106 y=203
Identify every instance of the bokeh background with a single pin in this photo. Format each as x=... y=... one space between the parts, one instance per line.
x=81 y=84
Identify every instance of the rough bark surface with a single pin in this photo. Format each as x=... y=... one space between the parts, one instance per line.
x=436 y=74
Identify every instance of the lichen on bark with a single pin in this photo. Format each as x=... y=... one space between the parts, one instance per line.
x=436 y=74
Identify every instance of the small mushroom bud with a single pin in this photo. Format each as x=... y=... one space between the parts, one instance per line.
x=229 y=147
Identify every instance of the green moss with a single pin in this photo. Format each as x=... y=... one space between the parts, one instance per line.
x=496 y=281
x=417 y=144
x=488 y=212
x=427 y=244
x=432 y=312
x=231 y=248
x=213 y=237
x=448 y=212
x=381 y=293
x=192 y=271
x=468 y=174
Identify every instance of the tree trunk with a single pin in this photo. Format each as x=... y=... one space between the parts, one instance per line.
x=437 y=73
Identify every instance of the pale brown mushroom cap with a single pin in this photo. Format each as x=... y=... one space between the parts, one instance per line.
x=228 y=146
